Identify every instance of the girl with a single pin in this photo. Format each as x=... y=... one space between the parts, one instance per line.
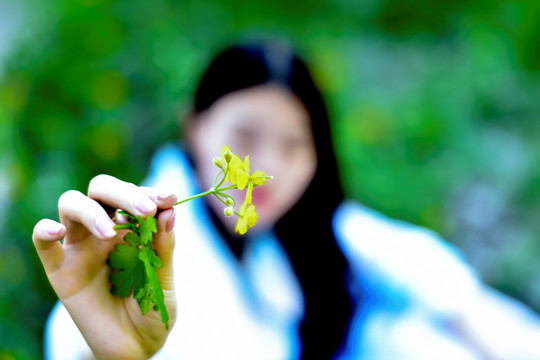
x=318 y=277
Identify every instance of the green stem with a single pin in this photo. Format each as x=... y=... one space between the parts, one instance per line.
x=123 y=226
x=215 y=179
x=223 y=178
x=122 y=212
x=223 y=198
x=211 y=191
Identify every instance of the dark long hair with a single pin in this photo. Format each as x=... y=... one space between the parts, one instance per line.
x=306 y=230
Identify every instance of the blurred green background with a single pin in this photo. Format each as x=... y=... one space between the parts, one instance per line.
x=435 y=107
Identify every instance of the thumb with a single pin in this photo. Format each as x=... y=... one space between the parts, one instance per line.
x=46 y=237
x=163 y=243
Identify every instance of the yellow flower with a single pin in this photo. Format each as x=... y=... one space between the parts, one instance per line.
x=247 y=218
x=258 y=178
x=226 y=154
x=238 y=173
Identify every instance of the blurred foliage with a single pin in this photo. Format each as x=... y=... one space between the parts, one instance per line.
x=435 y=106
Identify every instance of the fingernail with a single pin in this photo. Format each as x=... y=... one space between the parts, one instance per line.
x=145 y=206
x=164 y=196
x=55 y=228
x=121 y=219
x=105 y=227
x=171 y=222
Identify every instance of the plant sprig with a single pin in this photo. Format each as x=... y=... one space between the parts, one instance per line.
x=134 y=263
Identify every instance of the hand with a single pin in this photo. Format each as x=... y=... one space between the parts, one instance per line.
x=114 y=328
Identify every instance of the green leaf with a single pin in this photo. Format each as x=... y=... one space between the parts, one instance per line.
x=128 y=270
x=144 y=299
x=133 y=239
x=153 y=285
x=147 y=227
x=147 y=255
x=135 y=265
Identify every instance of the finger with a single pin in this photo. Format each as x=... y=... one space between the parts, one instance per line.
x=120 y=194
x=74 y=206
x=164 y=242
x=162 y=198
x=46 y=237
x=120 y=218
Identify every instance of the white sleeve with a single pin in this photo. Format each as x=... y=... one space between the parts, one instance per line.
x=408 y=259
x=399 y=258
x=63 y=340
x=505 y=326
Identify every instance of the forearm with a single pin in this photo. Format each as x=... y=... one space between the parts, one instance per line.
x=501 y=327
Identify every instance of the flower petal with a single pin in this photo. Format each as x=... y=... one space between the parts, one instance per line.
x=251 y=216
x=226 y=154
x=258 y=178
x=249 y=193
x=242 y=179
x=235 y=165
x=246 y=164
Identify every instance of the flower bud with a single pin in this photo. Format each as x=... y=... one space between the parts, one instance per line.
x=229 y=201
x=229 y=211
x=218 y=162
x=227 y=155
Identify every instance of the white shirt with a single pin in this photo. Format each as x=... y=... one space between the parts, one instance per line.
x=413 y=285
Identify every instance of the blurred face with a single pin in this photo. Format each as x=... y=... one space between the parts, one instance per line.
x=269 y=124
